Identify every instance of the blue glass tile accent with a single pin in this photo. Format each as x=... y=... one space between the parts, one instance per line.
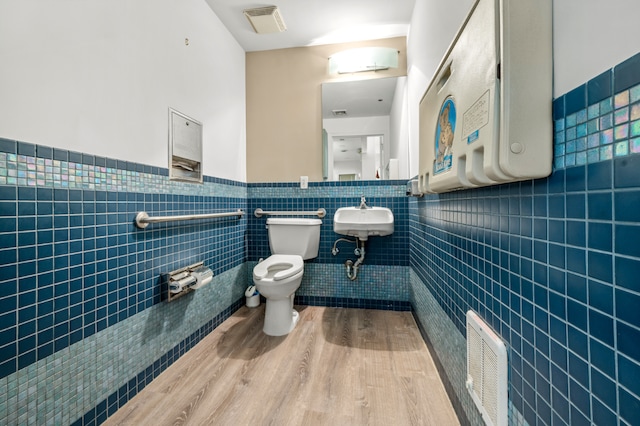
x=124 y=393
x=627 y=74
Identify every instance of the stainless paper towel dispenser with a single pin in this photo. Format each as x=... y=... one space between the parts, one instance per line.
x=486 y=116
x=185 y=147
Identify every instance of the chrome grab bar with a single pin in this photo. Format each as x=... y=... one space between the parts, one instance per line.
x=320 y=213
x=143 y=219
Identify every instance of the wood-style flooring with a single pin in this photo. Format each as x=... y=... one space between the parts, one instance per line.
x=337 y=367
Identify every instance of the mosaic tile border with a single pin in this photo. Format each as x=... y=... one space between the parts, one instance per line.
x=25 y=164
x=380 y=285
x=608 y=129
x=342 y=302
x=449 y=351
x=448 y=347
x=340 y=184
x=126 y=392
x=120 y=359
x=599 y=120
x=369 y=189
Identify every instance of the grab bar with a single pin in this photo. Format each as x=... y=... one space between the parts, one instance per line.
x=320 y=213
x=143 y=219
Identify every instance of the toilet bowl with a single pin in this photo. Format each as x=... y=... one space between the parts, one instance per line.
x=277 y=279
x=292 y=241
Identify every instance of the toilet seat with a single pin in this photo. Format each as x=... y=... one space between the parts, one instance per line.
x=284 y=266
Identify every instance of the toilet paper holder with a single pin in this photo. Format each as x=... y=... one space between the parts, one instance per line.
x=187 y=279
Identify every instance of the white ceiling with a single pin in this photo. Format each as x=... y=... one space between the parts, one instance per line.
x=315 y=22
x=360 y=98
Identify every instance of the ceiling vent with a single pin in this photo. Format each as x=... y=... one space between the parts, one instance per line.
x=339 y=112
x=265 y=20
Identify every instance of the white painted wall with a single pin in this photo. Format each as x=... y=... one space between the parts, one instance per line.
x=590 y=37
x=399 y=129
x=347 y=168
x=434 y=24
x=99 y=76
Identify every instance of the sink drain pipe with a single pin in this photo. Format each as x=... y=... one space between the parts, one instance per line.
x=352 y=268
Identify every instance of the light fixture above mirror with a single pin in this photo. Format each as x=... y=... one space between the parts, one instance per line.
x=363 y=59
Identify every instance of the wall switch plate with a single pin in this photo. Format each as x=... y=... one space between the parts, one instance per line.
x=304 y=182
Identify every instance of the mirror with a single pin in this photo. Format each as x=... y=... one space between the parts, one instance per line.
x=363 y=131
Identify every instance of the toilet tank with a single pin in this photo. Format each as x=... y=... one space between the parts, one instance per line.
x=294 y=236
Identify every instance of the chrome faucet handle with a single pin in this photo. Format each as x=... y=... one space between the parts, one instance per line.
x=363 y=203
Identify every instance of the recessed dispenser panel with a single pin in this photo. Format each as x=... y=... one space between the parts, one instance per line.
x=486 y=116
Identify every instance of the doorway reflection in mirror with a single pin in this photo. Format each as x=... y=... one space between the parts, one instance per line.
x=363 y=137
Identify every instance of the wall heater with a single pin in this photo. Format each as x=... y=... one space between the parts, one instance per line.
x=487 y=371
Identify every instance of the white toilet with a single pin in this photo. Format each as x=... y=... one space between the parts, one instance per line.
x=279 y=276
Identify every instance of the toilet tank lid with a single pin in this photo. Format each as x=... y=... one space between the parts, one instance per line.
x=293 y=221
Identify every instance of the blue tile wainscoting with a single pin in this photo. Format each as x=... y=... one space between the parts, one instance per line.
x=552 y=265
x=82 y=323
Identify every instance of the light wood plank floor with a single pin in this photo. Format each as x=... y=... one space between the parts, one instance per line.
x=337 y=367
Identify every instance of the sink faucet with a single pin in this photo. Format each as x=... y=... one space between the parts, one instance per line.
x=363 y=203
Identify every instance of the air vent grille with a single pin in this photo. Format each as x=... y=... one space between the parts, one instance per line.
x=487 y=370
x=265 y=20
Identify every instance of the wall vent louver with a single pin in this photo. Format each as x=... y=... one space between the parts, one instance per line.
x=487 y=371
x=265 y=20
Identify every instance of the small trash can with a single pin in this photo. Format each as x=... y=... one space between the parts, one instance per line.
x=253 y=297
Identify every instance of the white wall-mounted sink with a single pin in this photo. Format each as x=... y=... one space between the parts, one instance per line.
x=363 y=223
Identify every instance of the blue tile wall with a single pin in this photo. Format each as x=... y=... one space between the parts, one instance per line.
x=75 y=270
x=73 y=265
x=550 y=264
